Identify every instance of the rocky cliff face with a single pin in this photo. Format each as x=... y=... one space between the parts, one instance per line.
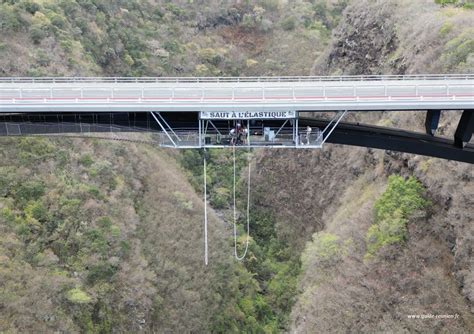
x=363 y=42
x=332 y=193
x=400 y=37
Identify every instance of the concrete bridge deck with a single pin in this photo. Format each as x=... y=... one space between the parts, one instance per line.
x=354 y=93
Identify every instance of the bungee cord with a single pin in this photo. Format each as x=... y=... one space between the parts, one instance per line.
x=247 y=241
x=206 y=261
x=240 y=258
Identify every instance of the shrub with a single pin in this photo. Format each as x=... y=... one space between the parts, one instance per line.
x=58 y=21
x=94 y=191
x=70 y=207
x=176 y=10
x=104 y=222
x=10 y=19
x=29 y=191
x=101 y=272
x=38 y=211
x=446 y=28
x=458 y=49
x=103 y=172
x=220 y=198
x=401 y=195
x=289 y=23
x=468 y=4
x=96 y=241
x=31 y=7
x=7 y=181
x=77 y=296
x=324 y=251
x=389 y=231
x=172 y=46
x=43 y=58
x=210 y=55
x=202 y=70
x=34 y=149
x=37 y=34
x=86 y=160
x=392 y=210
x=182 y=200
x=115 y=231
x=128 y=60
x=446 y=2
x=8 y=215
x=248 y=21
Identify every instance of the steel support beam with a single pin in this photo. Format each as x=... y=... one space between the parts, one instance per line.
x=394 y=140
x=465 y=128
x=344 y=133
x=163 y=128
x=432 y=121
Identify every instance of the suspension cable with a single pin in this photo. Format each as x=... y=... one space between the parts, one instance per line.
x=240 y=258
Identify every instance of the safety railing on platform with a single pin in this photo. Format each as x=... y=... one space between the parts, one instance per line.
x=311 y=139
x=273 y=138
x=181 y=138
x=100 y=131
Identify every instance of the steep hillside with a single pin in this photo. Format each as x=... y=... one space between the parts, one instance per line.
x=98 y=236
x=150 y=38
x=385 y=37
x=358 y=273
x=108 y=237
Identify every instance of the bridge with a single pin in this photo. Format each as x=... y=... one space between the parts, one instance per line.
x=209 y=107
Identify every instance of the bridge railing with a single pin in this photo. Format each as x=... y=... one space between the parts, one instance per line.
x=54 y=80
x=249 y=93
x=315 y=138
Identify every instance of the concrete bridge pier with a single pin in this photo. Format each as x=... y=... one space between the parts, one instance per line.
x=432 y=121
x=465 y=129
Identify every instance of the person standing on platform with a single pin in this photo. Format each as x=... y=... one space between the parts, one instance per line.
x=244 y=135
x=233 y=136
x=238 y=132
x=308 y=134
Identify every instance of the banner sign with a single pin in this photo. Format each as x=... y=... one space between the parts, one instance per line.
x=235 y=115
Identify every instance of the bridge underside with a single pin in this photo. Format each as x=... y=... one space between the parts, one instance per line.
x=345 y=133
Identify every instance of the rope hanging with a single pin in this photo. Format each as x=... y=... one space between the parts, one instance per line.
x=240 y=258
x=205 y=211
x=206 y=253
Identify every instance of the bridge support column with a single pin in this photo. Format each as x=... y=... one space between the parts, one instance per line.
x=432 y=121
x=465 y=129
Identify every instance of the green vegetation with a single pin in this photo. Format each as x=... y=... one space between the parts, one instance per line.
x=392 y=211
x=289 y=23
x=459 y=52
x=154 y=38
x=77 y=296
x=271 y=266
x=56 y=220
x=325 y=251
x=468 y=4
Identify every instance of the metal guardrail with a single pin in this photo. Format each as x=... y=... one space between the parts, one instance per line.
x=235 y=79
x=112 y=94
x=283 y=138
x=315 y=138
x=243 y=94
